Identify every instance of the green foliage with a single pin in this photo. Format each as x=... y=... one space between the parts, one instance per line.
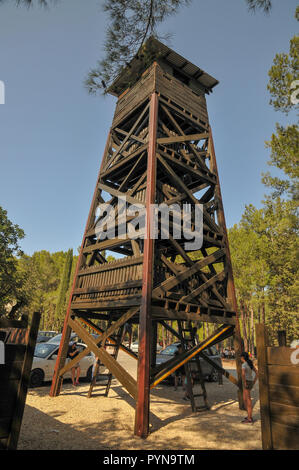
x=63 y=289
x=283 y=73
x=264 y=5
x=10 y=280
x=284 y=147
x=131 y=23
x=29 y=3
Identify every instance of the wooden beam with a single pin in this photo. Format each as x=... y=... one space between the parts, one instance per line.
x=173 y=281
x=218 y=277
x=12 y=441
x=226 y=374
x=172 y=314
x=128 y=382
x=142 y=407
x=262 y=344
x=182 y=138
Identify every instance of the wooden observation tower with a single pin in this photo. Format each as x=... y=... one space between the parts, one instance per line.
x=159 y=151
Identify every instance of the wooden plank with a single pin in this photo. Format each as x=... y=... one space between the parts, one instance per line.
x=126 y=139
x=195 y=118
x=145 y=321
x=171 y=314
x=205 y=176
x=285 y=414
x=262 y=343
x=106 y=244
x=110 y=339
x=286 y=375
x=7 y=403
x=111 y=266
x=224 y=372
x=116 y=325
x=218 y=277
x=183 y=99
x=280 y=356
x=14 y=353
x=9 y=323
x=123 y=163
x=104 y=335
x=127 y=301
x=189 y=193
x=182 y=138
x=175 y=280
x=116 y=369
x=282 y=338
x=178 y=361
x=117 y=193
x=284 y=394
x=23 y=385
x=11 y=371
x=4 y=427
x=284 y=437
x=108 y=287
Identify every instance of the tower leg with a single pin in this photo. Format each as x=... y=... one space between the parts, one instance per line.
x=66 y=333
x=144 y=349
x=230 y=282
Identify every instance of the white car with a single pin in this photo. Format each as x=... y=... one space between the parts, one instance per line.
x=44 y=360
x=134 y=346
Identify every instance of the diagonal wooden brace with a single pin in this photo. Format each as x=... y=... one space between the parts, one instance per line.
x=103 y=337
x=128 y=382
x=220 y=369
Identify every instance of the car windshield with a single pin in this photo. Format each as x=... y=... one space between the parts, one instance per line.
x=169 y=350
x=42 y=350
x=57 y=338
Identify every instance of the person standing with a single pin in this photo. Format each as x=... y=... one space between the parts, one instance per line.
x=75 y=370
x=249 y=377
x=179 y=374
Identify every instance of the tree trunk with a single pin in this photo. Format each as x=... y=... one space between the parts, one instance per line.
x=263 y=309
x=252 y=329
x=243 y=319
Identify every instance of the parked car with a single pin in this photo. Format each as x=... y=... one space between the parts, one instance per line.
x=135 y=345
x=208 y=371
x=44 y=360
x=45 y=336
x=74 y=337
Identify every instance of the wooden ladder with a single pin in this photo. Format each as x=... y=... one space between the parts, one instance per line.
x=187 y=333
x=116 y=346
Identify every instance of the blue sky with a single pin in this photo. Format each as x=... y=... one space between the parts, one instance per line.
x=52 y=133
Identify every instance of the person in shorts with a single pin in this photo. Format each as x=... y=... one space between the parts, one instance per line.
x=180 y=372
x=75 y=370
x=249 y=377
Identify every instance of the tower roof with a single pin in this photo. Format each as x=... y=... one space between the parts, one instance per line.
x=155 y=50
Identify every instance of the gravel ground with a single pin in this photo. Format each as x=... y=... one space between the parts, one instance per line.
x=72 y=421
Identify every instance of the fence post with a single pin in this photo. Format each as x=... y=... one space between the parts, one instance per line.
x=282 y=338
x=262 y=343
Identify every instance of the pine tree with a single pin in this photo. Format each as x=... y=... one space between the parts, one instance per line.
x=63 y=289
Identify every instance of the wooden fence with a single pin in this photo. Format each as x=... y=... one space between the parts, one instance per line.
x=14 y=376
x=279 y=393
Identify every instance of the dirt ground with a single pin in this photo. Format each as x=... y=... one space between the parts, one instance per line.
x=72 y=421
